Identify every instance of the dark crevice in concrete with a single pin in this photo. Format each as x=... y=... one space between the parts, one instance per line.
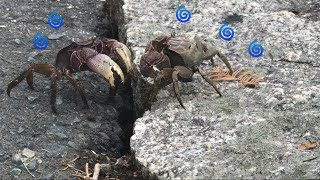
x=299 y=62
x=107 y=27
x=132 y=108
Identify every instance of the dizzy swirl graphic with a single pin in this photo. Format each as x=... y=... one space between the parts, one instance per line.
x=55 y=21
x=226 y=33
x=182 y=14
x=40 y=42
x=255 y=50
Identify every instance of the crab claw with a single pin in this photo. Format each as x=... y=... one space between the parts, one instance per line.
x=117 y=51
x=105 y=66
x=125 y=54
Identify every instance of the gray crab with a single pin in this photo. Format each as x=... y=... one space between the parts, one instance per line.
x=169 y=59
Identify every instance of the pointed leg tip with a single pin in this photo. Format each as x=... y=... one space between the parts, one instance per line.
x=54 y=110
x=181 y=104
x=8 y=92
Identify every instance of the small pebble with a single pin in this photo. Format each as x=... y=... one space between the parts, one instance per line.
x=31 y=145
x=16 y=171
x=54 y=36
x=32 y=99
x=94 y=125
x=76 y=120
x=55 y=150
x=48 y=177
x=17 y=159
x=32 y=165
x=33 y=54
x=72 y=144
x=3 y=157
x=17 y=41
x=28 y=153
x=106 y=168
x=61 y=136
x=59 y=100
x=31 y=59
x=20 y=130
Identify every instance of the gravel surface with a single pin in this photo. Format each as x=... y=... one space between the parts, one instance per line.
x=31 y=136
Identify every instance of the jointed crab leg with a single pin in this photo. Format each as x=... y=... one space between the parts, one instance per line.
x=212 y=52
x=42 y=68
x=210 y=81
x=176 y=87
x=78 y=88
x=185 y=74
x=53 y=97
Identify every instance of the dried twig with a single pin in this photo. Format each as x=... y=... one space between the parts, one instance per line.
x=73 y=168
x=76 y=158
x=308 y=146
x=28 y=170
x=95 y=172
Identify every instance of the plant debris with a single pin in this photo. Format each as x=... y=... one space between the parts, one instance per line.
x=308 y=146
x=110 y=169
x=246 y=77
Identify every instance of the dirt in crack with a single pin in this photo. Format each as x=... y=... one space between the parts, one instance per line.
x=123 y=167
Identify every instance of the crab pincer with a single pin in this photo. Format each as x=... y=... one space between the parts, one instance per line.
x=117 y=51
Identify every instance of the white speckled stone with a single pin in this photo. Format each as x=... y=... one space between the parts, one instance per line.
x=247 y=133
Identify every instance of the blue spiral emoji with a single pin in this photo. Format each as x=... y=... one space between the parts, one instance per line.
x=255 y=50
x=40 y=42
x=182 y=14
x=55 y=21
x=226 y=33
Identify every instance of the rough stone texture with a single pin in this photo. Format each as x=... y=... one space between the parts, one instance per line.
x=248 y=133
x=29 y=132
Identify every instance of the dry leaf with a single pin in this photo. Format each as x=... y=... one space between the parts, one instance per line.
x=247 y=78
x=307 y=146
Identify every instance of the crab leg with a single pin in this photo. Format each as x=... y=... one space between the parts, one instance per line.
x=30 y=79
x=42 y=68
x=212 y=52
x=185 y=74
x=176 y=87
x=105 y=66
x=210 y=81
x=78 y=88
x=53 y=88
